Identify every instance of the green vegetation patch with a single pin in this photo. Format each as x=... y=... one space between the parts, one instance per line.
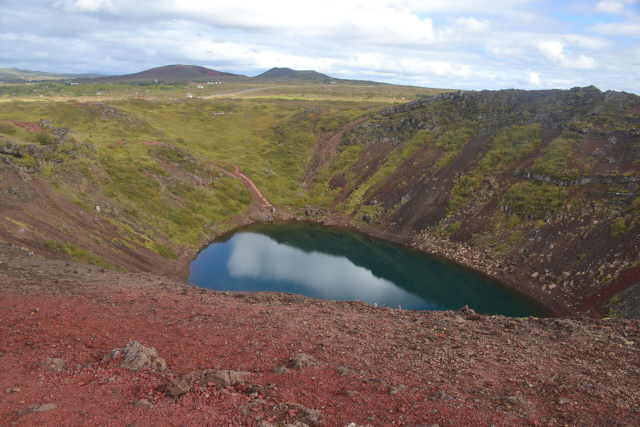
x=555 y=158
x=452 y=141
x=535 y=200
x=510 y=145
x=7 y=129
x=464 y=188
x=76 y=253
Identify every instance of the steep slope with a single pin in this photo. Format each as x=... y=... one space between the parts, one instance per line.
x=174 y=73
x=539 y=188
x=142 y=185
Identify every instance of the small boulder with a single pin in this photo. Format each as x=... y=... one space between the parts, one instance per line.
x=223 y=378
x=144 y=403
x=136 y=357
x=54 y=364
x=302 y=360
x=308 y=416
x=176 y=387
x=281 y=370
x=45 y=407
x=397 y=389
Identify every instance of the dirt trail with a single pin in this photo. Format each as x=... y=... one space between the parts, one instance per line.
x=240 y=92
x=263 y=202
x=251 y=186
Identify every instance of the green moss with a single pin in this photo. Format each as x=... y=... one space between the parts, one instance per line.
x=635 y=206
x=26 y=161
x=164 y=251
x=44 y=138
x=453 y=228
x=76 y=253
x=618 y=227
x=464 y=188
x=555 y=158
x=534 y=200
x=510 y=145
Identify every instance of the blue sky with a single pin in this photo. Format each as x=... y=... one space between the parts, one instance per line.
x=490 y=44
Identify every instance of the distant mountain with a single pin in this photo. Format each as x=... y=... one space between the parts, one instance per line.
x=287 y=74
x=305 y=76
x=18 y=75
x=175 y=73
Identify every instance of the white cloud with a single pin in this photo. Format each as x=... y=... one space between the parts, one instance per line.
x=473 y=25
x=534 y=78
x=587 y=42
x=257 y=256
x=409 y=66
x=614 y=6
x=631 y=28
x=554 y=51
x=610 y=6
x=464 y=44
x=505 y=50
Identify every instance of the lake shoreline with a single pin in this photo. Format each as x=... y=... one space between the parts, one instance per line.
x=342 y=223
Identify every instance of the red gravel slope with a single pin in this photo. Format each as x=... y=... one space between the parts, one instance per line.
x=366 y=365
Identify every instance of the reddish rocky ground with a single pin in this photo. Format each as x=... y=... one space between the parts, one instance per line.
x=309 y=362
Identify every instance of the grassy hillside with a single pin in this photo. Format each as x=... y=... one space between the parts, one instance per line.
x=15 y=74
x=155 y=168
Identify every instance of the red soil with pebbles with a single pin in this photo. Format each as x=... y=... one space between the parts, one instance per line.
x=375 y=366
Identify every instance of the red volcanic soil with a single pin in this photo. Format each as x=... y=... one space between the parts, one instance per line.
x=31 y=127
x=362 y=365
x=625 y=280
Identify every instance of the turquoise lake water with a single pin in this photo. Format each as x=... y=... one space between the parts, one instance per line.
x=335 y=264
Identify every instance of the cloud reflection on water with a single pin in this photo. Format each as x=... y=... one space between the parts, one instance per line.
x=260 y=257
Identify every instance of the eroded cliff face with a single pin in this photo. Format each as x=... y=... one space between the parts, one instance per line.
x=538 y=188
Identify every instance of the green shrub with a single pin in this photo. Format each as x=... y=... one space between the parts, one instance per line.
x=463 y=190
x=453 y=228
x=44 y=138
x=618 y=227
x=26 y=161
x=555 y=159
x=7 y=129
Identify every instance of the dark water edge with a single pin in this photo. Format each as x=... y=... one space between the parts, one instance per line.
x=344 y=264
